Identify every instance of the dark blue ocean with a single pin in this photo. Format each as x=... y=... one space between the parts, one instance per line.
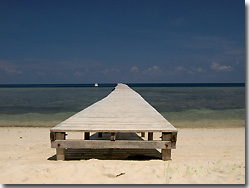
x=184 y=105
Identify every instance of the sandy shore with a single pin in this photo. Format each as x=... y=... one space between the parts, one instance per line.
x=203 y=156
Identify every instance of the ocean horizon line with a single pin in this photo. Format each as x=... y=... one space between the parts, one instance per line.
x=129 y=84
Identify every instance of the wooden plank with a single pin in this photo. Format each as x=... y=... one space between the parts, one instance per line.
x=123 y=110
x=97 y=144
x=110 y=129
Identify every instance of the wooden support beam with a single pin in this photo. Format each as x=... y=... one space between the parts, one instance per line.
x=86 y=135
x=142 y=134
x=60 y=152
x=126 y=144
x=52 y=136
x=150 y=136
x=166 y=153
x=113 y=135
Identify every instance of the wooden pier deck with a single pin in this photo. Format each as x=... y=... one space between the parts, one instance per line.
x=122 y=111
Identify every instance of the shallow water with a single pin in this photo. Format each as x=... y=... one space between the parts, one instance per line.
x=182 y=106
x=198 y=106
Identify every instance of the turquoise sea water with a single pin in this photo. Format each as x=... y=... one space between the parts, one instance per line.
x=182 y=106
x=199 y=106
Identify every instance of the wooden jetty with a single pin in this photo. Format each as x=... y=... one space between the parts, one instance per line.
x=122 y=111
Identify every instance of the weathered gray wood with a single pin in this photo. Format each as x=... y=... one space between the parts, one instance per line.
x=166 y=153
x=52 y=136
x=60 y=152
x=174 y=137
x=137 y=128
x=123 y=110
x=150 y=136
x=60 y=135
x=86 y=135
x=111 y=144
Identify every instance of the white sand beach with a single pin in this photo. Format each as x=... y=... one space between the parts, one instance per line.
x=202 y=156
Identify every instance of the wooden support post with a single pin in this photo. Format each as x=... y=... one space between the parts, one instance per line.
x=99 y=134
x=60 y=152
x=142 y=134
x=86 y=135
x=113 y=135
x=166 y=153
x=150 y=136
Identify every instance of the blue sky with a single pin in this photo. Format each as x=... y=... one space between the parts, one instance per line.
x=110 y=41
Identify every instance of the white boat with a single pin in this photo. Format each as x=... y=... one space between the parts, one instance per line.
x=96 y=84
